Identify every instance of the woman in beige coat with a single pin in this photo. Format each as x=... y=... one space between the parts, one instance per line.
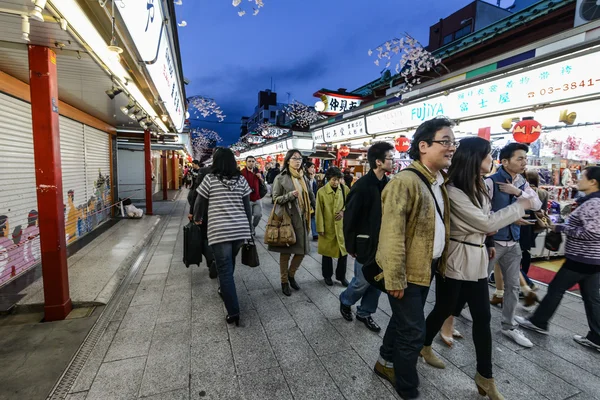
x=291 y=190
x=466 y=271
x=331 y=203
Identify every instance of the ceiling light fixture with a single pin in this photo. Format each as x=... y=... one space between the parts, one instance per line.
x=38 y=7
x=113 y=48
x=164 y=117
x=112 y=93
x=25 y=27
x=125 y=109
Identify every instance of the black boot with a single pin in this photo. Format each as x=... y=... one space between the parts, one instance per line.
x=293 y=283
x=285 y=288
x=328 y=281
x=346 y=312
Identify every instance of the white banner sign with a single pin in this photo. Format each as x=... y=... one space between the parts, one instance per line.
x=387 y=121
x=338 y=104
x=346 y=130
x=144 y=21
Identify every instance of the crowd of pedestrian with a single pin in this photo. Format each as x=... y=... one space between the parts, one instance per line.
x=446 y=216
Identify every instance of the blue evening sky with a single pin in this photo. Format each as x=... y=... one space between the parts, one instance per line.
x=304 y=45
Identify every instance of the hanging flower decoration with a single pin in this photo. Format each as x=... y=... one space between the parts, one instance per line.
x=202 y=140
x=412 y=60
x=258 y=4
x=303 y=115
x=206 y=107
x=269 y=159
x=527 y=131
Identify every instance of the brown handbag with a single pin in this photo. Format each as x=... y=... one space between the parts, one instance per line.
x=543 y=221
x=279 y=230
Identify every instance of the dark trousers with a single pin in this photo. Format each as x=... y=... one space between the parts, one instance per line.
x=450 y=296
x=225 y=254
x=589 y=284
x=340 y=270
x=525 y=264
x=405 y=335
x=207 y=252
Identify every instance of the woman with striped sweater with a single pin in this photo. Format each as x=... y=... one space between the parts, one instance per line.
x=582 y=265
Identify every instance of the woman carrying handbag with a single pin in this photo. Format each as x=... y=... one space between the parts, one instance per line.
x=291 y=192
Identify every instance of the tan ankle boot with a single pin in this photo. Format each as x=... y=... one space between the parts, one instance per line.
x=430 y=358
x=487 y=387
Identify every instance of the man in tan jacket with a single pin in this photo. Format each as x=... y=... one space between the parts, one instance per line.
x=413 y=243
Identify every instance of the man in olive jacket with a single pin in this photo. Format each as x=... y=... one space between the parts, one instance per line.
x=362 y=221
x=413 y=242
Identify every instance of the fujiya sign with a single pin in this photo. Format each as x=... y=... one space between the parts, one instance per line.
x=347 y=130
x=560 y=81
x=144 y=21
x=338 y=103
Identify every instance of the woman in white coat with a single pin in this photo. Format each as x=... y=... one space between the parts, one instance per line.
x=466 y=272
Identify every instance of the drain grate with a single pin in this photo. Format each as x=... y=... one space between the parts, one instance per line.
x=67 y=380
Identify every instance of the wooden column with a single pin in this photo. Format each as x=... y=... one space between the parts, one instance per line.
x=148 y=171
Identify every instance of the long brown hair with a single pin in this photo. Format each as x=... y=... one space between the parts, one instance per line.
x=465 y=171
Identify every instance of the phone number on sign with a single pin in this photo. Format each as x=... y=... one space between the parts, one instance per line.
x=566 y=87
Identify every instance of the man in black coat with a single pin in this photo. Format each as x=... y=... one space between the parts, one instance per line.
x=192 y=196
x=362 y=221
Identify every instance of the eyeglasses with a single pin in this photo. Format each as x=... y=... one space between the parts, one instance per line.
x=446 y=143
x=296 y=158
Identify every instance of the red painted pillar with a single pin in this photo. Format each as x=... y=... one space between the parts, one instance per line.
x=175 y=174
x=164 y=174
x=148 y=170
x=48 y=177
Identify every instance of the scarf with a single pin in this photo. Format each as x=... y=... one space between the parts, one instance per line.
x=592 y=195
x=303 y=197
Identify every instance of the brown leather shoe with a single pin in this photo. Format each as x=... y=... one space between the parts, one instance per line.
x=386 y=373
x=497 y=301
x=530 y=299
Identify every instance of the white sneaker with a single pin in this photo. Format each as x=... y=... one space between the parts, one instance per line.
x=517 y=336
x=582 y=340
x=526 y=323
x=466 y=314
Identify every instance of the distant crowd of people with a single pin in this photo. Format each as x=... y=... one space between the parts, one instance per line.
x=446 y=216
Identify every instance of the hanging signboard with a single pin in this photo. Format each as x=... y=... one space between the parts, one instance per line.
x=144 y=21
x=386 y=121
x=336 y=103
x=350 y=129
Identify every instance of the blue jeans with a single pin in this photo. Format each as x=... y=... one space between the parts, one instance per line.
x=225 y=253
x=361 y=289
x=313 y=225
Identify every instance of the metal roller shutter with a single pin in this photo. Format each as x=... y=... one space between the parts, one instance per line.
x=98 y=179
x=75 y=196
x=19 y=234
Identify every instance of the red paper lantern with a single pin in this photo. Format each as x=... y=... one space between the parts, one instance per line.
x=527 y=131
x=280 y=157
x=259 y=160
x=344 y=151
x=269 y=158
x=402 y=144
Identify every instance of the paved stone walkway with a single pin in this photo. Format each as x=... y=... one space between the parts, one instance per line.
x=169 y=340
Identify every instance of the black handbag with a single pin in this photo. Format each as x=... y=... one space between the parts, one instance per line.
x=370 y=270
x=553 y=240
x=250 y=254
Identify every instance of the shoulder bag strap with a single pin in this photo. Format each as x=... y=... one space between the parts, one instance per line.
x=424 y=179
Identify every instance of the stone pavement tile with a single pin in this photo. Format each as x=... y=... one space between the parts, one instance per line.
x=354 y=377
x=265 y=300
x=291 y=347
x=251 y=349
x=508 y=385
x=180 y=394
x=139 y=318
x=209 y=331
x=92 y=365
x=159 y=264
x=129 y=344
x=118 y=380
x=214 y=386
x=179 y=274
x=243 y=297
x=76 y=396
x=264 y=385
x=176 y=304
x=323 y=299
x=451 y=381
x=212 y=356
x=168 y=365
x=273 y=314
x=256 y=280
x=565 y=370
x=321 y=335
x=150 y=290
x=363 y=341
x=308 y=380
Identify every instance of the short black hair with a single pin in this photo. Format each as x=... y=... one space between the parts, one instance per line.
x=250 y=157
x=377 y=152
x=508 y=151
x=308 y=164
x=426 y=133
x=593 y=173
x=196 y=162
x=333 y=172
x=224 y=165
